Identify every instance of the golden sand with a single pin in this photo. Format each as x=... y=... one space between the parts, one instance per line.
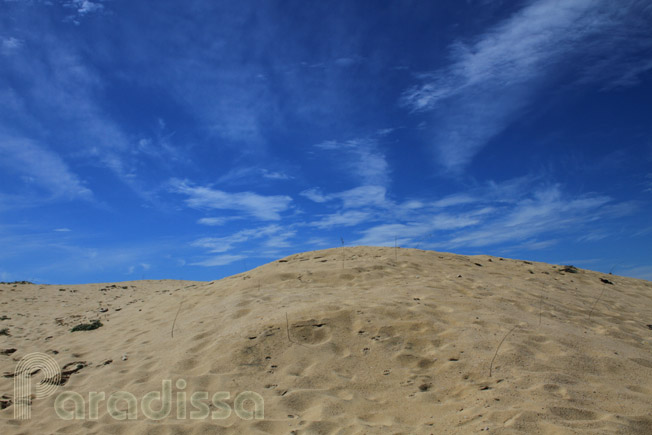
x=347 y=341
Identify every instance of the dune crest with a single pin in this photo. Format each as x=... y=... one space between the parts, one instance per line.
x=347 y=340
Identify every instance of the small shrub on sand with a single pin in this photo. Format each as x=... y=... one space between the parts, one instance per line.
x=87 y=326
x=569 y=269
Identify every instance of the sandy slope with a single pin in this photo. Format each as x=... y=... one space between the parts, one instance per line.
x=355 y=340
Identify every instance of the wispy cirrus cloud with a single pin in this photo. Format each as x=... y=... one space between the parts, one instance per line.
x=543 y=213
x=226 y=243
x=364 y=161
x=513 y=214
x=38 y=166
x=216 y=221
x=489 y=82
x=270 y=238
x=84 y=7
x=358 y=197
x=275 y=175
x=219 y=260
x=251 y=175
x=420 y=227
x=81 y=8
x=341 y=219
x=362 y=158
x=52 y=93
x=9 y=45
x=259 y=206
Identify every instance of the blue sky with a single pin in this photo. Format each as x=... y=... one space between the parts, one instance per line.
x=197 y=139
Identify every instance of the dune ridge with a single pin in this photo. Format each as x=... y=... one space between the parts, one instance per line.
x=355 y=340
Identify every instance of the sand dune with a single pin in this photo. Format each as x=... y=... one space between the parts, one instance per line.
x=354 y=341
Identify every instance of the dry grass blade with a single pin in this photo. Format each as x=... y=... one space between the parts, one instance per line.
x=491 y=366
x=287 y=330
x=287 y=327
x=175 y=319
x=540 y=308
x=596 y=302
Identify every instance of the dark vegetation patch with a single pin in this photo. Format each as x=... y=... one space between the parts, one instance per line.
x=569 y=269
x=5 y=401
x=87 y=326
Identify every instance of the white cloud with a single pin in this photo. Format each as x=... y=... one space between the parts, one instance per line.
x=41 y=167
x=515 y=213
x=412 y=205
x=9 y=45
x=543 y=214
x=445 y=221
x=388 y=234
x=86 y=6
x=489 y=82
x=314 y=194
x=82 y=8
x=219 y=260
x=62 y=230
x=273 y=236
x=523 y=213
x=341 y=219
x=250 y=175
x=423 y=226
x=358 y=197
x=59 y=88
x=215 y=221
x=281 y=240
x=453 y=200
x=226 y=243
x=363 y=196
x=275 y=175
x=220 y=244
x=361 y=158
x=253 y=204
x=534 y=245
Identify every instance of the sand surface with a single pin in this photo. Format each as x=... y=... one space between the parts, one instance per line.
x=352 y=341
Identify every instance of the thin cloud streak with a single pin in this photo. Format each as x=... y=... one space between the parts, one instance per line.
x=496 y=215
x=41 y=167
x=258 y=206
x=341 y=219
x=490 y=82
x=358 y=197
x=226 y=243
x=362 y=158
x=219 y=260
